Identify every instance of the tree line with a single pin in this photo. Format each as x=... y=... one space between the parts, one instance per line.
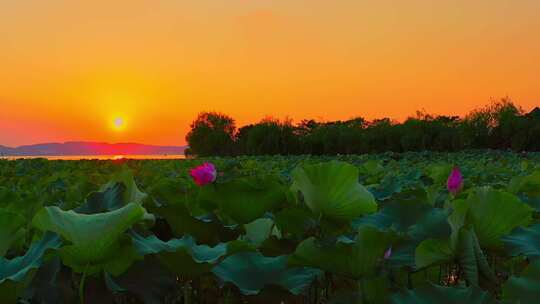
x=499 y=125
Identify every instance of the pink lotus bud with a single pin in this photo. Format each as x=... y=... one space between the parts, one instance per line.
x=204 y=174
x=388 y=253
x=455 y=181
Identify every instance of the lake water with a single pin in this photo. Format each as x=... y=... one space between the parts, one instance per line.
x=96 y=157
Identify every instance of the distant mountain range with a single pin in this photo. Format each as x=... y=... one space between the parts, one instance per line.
x=90 y=148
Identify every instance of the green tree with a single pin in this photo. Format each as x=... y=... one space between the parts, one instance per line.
x=212 y=133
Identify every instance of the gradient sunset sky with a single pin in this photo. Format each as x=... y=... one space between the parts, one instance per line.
x=69 y=69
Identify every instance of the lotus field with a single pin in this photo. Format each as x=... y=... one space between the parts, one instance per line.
x=387 y=228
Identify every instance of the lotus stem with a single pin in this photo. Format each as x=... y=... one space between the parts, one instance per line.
x=81 y=284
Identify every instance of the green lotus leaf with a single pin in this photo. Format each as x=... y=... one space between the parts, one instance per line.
x=251 y=272
x=524 y=288
x=181 y=256
x=433 y=252
x=495 y=213
x=457 y=219
x=332 y=190
x=237 y=246
x=355 y=260
x=524 y=241
x=132 y=194
x=145 y=279
x=410 y=212
x=243 y=199
x=117 y=259
x=400 y=213
x=403 y=254
x=529 y=184
x=429 y=294
x=182 y=222
x=439 y=172
x=11 y=229
x=259 y=230
x=118 y=192
x=294 y=221
x=472 y=260
x=102 y=201
x=94 y=237
x=533 y=201
x=467 y=258
x=433 y=224
x=10 y=291
x=16 y=273
x=51 y=284
x=17 y=268
x=388 y=186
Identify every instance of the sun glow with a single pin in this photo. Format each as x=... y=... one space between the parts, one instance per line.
x=119 y=123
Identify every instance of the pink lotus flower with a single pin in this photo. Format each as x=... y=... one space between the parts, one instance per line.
x=388 y=253
x=455 y=181
x=204 y=174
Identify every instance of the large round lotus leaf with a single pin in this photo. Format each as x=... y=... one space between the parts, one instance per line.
x=457 y=218
x=117 y=259
x=259 y=230
x=439 y=172
x=118 y=192
x=355 y=260
x=524 y=241
x=10 y=291
x=402 y=211
x=11 y=229
x=388 y=186
x=433 y=252
x=294 y=221
x=102 y=201
x=332 y=190
x=443 y=295
x=472 y=260
x=525 y=288
x=533 y=201
x=410 y=212
x=146 y=279
x=181 y=256
x=529 y=184
x=251 y=272
x=494 y=213
x=132 y=194
x=15 y=274
x=92 y=236
x=17 y=268
x=182 y=223
x=243 y=199
x=434 y=224
x=51 y=284
x=403 y=254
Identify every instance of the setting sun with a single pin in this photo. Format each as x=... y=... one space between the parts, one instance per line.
x=119 y=124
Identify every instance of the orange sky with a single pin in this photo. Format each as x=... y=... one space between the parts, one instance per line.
x=69 y=68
